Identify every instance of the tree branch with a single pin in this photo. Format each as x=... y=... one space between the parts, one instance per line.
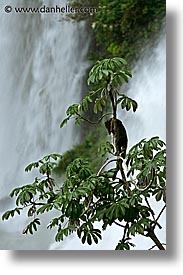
x=36 y=203
x=125 y=230
x=154 y=238
x=93 y=122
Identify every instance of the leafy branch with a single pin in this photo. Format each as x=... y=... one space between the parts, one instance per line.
x=114 y=195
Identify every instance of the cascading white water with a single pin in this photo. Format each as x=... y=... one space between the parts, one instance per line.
x=148 y=88
x=42 y=66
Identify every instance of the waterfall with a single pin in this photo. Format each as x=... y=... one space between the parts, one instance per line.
x=43 y=62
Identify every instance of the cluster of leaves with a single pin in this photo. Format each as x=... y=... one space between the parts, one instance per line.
x=147 y=160
x=40 y=190
x=109 y=74
x=111 y=70
x=85 y=197
x=127 y=103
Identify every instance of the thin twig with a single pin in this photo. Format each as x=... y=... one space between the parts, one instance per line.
x=119 y=224
x=152 y=213
x=155 y=246
x=152 y=247
x=107 y=162
x=36 y=203
x=104 y=165
x=94 y=122
x=160 y=213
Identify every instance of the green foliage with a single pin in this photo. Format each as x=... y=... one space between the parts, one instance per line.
x=11 y=213
x=123 y=27
x=124 y=245
x=86 y=233
x=108 y=75
x=109 y=69
x=106 y=147
x=88 y=192
x=32 y=226
x=147 y=160
x=86 y=197
x=45 y=165
x=127 y=103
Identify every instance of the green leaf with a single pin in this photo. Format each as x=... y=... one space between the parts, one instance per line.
x=46 y=207
x=127 y=103
x=31 y=226
x=123 y=75
x=15 y=191
x=72 y=110
x=6 y=215
x=84 y=104
x=128 y=106
x=146 y=222
x=89 y=239
x=128 y=73
x=64 y=122
x=122 y=245
x=119 y=100
x=32 y=165
x=43 y=168
x=56 y=156
x=132 y=201
x=98 y=105
x=134 y=105
x=59 y=236
x=97 y=232
x=122 y=60
x=106 y=72
x=83 y=240
x=159 y=195
x=139 y=229
x=95 y=238
x=132 y=229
